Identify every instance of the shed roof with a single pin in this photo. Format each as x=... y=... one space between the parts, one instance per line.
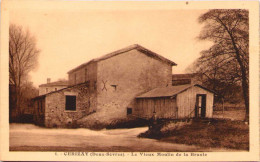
x=44 y=95
x=57 y=83
x=169 y=91
x=126 y=49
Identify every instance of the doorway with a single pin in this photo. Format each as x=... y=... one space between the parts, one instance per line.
x=200 y=111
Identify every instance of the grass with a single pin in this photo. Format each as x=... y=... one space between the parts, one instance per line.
x=127 y=123
x=216 y=133
x=231 y=114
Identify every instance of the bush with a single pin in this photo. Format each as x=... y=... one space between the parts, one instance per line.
x=24 y=118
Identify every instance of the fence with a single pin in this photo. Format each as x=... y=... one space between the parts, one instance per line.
x=228 y=108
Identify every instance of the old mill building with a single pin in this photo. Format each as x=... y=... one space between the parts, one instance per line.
x=132 y=81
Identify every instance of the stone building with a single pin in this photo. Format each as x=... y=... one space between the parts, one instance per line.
x=62 y=107
x=181 y=79
x=52 y=86
x=110 y=84
x=104 y=89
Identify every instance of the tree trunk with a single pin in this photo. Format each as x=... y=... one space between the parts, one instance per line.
x=245 y=86
x=246 y=98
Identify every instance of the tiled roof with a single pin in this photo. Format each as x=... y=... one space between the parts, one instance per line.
x=57 y=83
x=168 y=91
x=183 y=76
x=129 y=48
x=44 y=95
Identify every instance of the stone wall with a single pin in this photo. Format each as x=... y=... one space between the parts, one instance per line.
x=121 y=78
x=55 y=113
x=83 y=74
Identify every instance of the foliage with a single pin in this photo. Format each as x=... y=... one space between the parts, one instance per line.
x=224 y=67
x=23 y=55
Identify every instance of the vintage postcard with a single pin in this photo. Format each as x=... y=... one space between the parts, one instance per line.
x=129 y=80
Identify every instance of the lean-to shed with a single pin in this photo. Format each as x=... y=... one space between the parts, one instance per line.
x=176 y=102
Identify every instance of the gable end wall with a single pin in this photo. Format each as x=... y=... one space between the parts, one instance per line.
x=187 y=99
x=133 y=73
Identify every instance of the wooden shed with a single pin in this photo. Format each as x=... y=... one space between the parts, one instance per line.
x=176 y=102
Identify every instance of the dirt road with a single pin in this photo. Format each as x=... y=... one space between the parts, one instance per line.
x=28 y=137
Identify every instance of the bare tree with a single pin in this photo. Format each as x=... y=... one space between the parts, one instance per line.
x=23 y=55
x=227 y=60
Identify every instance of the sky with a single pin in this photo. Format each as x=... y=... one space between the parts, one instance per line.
x=68 y=38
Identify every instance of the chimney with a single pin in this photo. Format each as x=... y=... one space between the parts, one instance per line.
x=48 y=80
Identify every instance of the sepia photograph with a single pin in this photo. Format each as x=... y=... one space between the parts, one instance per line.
x=122 y=80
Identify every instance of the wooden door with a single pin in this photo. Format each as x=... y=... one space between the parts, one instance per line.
x=200 y=110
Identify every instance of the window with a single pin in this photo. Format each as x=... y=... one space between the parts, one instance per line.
x=114 y=86
x=129 y=111
x=70 y=103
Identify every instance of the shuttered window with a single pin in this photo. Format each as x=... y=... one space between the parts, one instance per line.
x=129 y=111
x=70 y=103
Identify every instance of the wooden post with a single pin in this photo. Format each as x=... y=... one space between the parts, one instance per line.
x=177 y=112
x=223 y=107
x=154 y=102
